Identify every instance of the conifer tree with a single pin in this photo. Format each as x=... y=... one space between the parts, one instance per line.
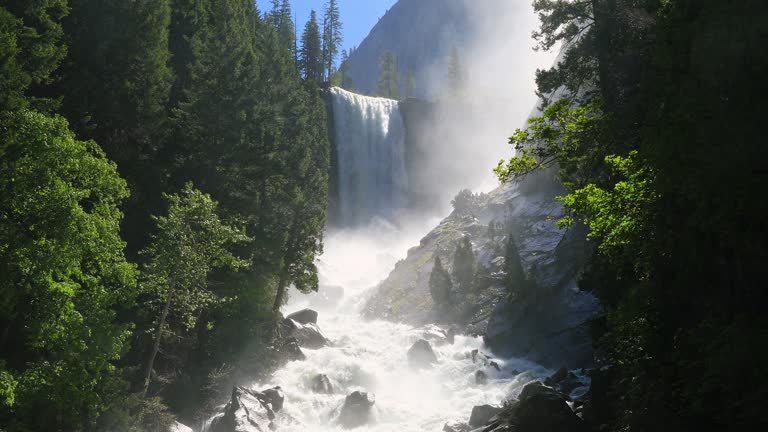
x=389 y=84
x=310 y=56
x=440 y=285
x=31 y=48
x=116 y=84
x=464 y=265
x=332 y=36
x=410 y=84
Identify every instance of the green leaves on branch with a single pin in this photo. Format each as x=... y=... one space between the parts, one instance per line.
x=62 y=272
x=616 y=216
x=569 y=136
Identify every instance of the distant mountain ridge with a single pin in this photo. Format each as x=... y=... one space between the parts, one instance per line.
x=421 y=33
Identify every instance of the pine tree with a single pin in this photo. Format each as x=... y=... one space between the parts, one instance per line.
x=332 y=36
x=440 y=285
x=285 y=27
x=116 y=84
x=31 y=48
x=388 y=85
x=515 y=277
x=310 y=56
x=464 y=265
x=410 y=84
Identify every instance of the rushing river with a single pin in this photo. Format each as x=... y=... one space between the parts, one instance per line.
x=371 y=355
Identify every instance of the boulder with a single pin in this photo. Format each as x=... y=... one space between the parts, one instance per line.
x=495 y=365
x=307 y=335
x=456 y=427
x=421 y=355
x=274 y=397
x=546 y=411
x=322 y=384
x=304 y=316
x=558 y=376
x=357 y=409
x=292 y=351
x=481 y=378
x=535 y=388
x=246 y=411
x=482 y=414
x=178 y=427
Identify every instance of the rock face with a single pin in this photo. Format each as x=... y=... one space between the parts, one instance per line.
x=421 y=355
x=178 y=427
x=436 y=24
x=357 y=409
x=307 y=335
x=482 y=414
x=546 y=322
x=322 y=384
x=456 y=427
x=247 y=411
x=304 y=316
x=540 y=408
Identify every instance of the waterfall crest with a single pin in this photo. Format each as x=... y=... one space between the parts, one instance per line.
x=369 y=140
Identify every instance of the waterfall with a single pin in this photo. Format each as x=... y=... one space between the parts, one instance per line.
x=369 y=140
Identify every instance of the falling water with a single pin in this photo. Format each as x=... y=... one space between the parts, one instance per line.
x=370 y=157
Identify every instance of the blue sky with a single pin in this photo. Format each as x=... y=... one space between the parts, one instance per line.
x=357 y=16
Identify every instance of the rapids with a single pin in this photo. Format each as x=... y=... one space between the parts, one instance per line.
x=371 y=355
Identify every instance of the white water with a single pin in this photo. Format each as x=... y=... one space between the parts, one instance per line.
x=370 y=146
x=371 y=356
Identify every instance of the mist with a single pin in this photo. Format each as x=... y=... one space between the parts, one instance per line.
x=467 y=133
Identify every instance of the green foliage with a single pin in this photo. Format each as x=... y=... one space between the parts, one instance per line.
x=570 y=136
x=310 y=56
x=332 y=36
x=440 y=285
x=617 y=218
x=669 y=195
x=515 y=277
x=464 y=265
x=31 y=49
x=190 y=242
x=62 y=271
x=388 y=85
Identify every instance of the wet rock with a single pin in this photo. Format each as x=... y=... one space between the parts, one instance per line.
x=536 y=388
x=451 y=335
x=482 y=414
x=307 y=335
x=495 y=365
x=546 y=411
x=357 y=409
x=456 y=427
x=304 y=316
x=322 y=384
x=292 y=351
x=274 y=397
x=481 y=378
x=246 y=411
x=421 y=355
x=178 y=427
x=558 y=376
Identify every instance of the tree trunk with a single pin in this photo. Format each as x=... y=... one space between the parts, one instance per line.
x=280 y=295
x=158 y=336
